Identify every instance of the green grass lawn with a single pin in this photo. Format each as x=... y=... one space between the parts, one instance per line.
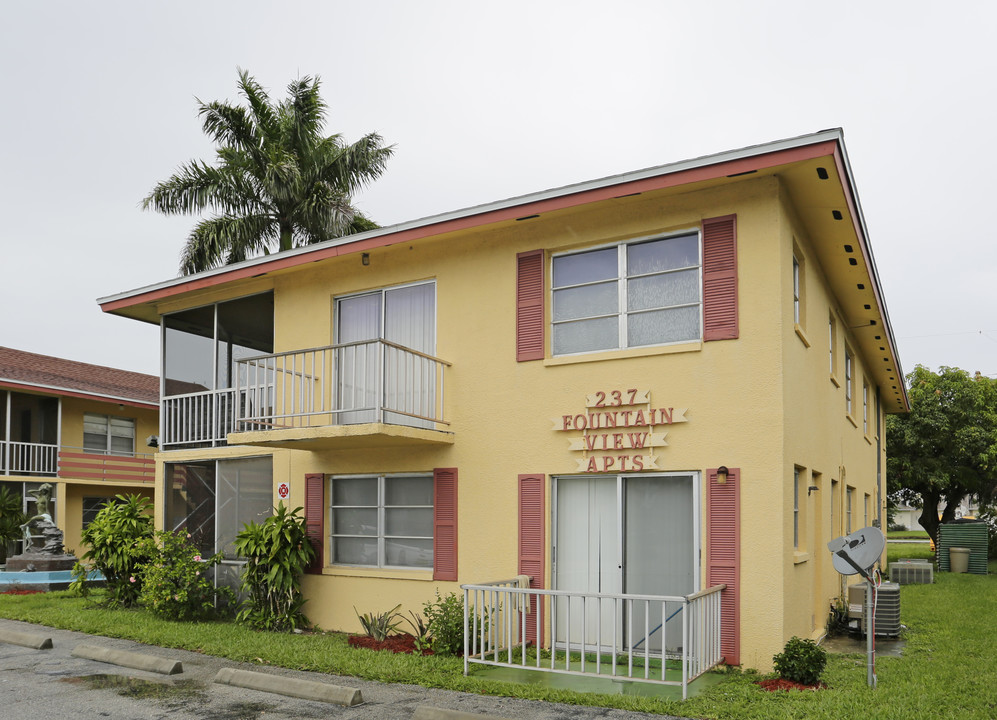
x=947 y=669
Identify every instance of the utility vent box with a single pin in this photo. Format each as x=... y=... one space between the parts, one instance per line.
x=887 y=608
x=912 y=572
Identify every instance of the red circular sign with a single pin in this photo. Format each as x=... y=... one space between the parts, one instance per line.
x=283 y=490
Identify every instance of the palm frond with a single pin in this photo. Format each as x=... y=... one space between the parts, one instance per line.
x=218 y=238
x=228 y=125
x=265 y=115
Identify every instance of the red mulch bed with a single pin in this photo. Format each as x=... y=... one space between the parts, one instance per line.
x=403 y=643
x=21 y=592
x=783 y=684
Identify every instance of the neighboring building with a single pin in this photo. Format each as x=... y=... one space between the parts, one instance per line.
x=81 y=428
x=548 y=385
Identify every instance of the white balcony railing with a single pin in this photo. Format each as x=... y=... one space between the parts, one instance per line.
x=200 y=418
x=359 y=382
x=23 y=458
x=669 y=640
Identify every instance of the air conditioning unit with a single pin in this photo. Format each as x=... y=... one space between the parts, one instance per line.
x=887 y=608
x=912 y=572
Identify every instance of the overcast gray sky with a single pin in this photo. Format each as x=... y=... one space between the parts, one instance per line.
x=485 y=101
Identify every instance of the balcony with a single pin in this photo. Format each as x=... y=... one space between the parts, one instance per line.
x=372 y=393
x=46 y=460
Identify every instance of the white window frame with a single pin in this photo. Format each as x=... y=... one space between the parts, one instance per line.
x=107 y=449
x=848 y=380
x=796 y=290
x=865 y=407
x=380 y=507
x=622 y=279
x=849 y=493
x=796 y=507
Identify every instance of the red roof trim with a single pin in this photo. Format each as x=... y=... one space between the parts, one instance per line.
x=658 y=182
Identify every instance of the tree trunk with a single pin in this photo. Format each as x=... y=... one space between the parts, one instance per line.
x=929 y=513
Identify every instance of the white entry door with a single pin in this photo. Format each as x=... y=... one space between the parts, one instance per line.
x=633 y=534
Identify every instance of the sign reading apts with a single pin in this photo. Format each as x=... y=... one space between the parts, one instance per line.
x=283 y=490
x=619 y=431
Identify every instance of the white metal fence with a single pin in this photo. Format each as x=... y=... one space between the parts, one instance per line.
x=201 y=418
x=22 y=458
x=359 y=382
x=613 y=635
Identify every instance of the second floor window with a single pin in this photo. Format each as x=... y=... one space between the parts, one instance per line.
x=646 y=292
x=108 y=435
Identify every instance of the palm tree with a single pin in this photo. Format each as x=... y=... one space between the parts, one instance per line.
x=278 y=181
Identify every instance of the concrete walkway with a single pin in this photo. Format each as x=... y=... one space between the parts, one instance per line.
x=92 y=688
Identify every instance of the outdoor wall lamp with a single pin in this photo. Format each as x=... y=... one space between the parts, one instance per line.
x=365 y=258
x=811 y=489
x=722 y=473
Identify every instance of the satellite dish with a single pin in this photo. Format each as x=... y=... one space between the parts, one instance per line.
x=858 y=552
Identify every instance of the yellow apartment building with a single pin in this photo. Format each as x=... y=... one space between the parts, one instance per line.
x=80 y=427
x=651 y=384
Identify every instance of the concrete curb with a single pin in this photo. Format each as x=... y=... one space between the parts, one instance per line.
x=137 y=661
x=304 y=689
x=424 y=712
x=31 y=640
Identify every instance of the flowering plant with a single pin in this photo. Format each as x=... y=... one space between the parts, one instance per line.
x=177 y=581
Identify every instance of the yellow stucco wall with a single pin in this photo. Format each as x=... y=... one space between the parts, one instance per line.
x=762 y=403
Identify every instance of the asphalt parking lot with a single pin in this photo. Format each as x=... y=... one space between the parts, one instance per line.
x=54 y=683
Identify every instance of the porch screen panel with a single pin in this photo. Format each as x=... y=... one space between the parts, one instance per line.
x=245 y=495
x=190 y=502
x=659 y=542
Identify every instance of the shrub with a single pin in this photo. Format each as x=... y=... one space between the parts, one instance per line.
x=177 y=582
x=379 y=626
x=445 y=621
x=277 y=552
x=116 y=548
x=801 y=661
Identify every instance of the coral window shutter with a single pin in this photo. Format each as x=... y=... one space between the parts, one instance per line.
x=532 y=541
x=445 y=524
x=723 y=553
x=720 y=278
x=315 y=519
x=530 y=306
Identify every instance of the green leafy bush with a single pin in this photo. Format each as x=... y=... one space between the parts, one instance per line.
x=445 y=620
x=116 y=548
x=277 y=552
x=177 y=583
x=381 y=625
x=801 y=661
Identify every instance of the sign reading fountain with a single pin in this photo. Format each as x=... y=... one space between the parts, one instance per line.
x=44 y=564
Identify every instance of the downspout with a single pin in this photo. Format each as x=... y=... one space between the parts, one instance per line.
x=880 y=429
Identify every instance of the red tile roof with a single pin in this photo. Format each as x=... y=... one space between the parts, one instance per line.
x=46 y=372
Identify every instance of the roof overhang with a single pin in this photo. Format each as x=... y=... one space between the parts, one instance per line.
x=35 y=388
x=826 y=198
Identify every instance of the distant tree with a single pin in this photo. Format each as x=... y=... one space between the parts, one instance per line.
x=278 y=182
x=945 y=449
